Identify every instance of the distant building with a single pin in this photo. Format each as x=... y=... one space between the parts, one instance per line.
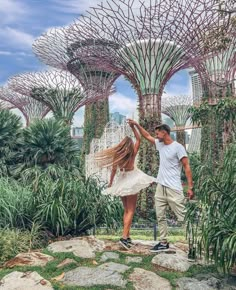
x=77 y=131
x=196 y=86
x=117 y=117
x=77 y=134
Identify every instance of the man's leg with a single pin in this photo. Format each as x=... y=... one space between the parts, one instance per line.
x=161 y=205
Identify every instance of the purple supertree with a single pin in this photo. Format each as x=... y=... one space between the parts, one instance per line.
x=4 y=105
x=60 y=91
x=29 y=107
x=53 y=48
x=177 y=108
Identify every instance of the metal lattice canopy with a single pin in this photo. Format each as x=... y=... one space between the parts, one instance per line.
x=140 y=42
x=112 y=135
x=55 y=49
x=177 y=108
x=4 y=105
x=209 y=37
x=59 y=90
x=29 y=107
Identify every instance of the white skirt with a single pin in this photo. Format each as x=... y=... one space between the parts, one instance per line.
x=129 y=183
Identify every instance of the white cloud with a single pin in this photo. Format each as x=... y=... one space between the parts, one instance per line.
x=16 y=38
x=123 y=104
x=75 y=6
x=12 y=11
x=2 y=52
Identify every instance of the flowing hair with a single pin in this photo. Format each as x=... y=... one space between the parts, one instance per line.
x=118 y=155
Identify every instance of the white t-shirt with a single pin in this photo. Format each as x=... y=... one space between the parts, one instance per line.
x=170 y=166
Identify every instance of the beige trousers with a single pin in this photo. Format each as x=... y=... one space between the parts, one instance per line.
x=164 y=197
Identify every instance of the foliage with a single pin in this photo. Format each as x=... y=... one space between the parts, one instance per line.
x=9 y=136
x=15 y=207
x=48 y=142
x=215 y=210
x=14 y=241
x=67 y=203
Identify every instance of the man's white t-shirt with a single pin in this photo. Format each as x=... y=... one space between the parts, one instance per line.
x=169 y=173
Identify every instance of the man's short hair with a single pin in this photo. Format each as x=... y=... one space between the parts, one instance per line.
x=163 y=127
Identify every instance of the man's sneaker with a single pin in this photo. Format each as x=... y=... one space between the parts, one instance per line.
x=125 y=243
x=130 y=241
x=192 y=255
x=160 y=247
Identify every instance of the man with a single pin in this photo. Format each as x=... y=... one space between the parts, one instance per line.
x=169 y=190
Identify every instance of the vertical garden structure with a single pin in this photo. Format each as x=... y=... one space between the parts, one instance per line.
x=29 y=107
x=60 y=91
x=212 y=49
x=55 y=49
x=146 y=51
x=177 y=108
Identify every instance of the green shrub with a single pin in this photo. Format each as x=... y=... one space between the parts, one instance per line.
x=15 y=204
x=215 y=211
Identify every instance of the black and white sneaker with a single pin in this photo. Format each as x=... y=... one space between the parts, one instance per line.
x=160 y=247
x=124 y=243
x=130 y=241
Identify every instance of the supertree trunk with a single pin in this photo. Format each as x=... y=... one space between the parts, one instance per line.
x=180 y=137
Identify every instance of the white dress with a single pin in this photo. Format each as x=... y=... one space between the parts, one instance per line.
x=129 y=183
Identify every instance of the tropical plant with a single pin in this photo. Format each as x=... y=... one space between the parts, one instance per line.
x=215 y=211
x=48 y=142
x=15 y=205
x=66 y=202
x=9 y=137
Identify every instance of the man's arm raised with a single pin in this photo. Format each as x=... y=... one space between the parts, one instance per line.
x=142 y=131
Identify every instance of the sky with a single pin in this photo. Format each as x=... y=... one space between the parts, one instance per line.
x=22 y=21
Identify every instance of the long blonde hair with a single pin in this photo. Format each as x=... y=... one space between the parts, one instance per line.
x=119 y=155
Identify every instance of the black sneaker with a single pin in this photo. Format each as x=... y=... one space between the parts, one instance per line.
x=160 y=247
x=125 y=243
x=130 y=241
x=192 y=255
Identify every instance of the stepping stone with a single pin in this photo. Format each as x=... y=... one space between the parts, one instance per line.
x=176 y=262
x=96 y=244
x=29 y=259
x=133 y=260
x=143 y=279
x=88 y=277
x=108 y=256
x=78 y=247
x=24 y=281
x=194 y=284
x=114 y=267
x=66 y=262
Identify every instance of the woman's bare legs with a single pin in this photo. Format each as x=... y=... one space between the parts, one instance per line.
x=129 y=203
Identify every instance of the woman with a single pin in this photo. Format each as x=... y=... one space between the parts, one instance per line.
x=130 y=180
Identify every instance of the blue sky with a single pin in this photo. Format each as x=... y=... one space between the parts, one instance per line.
x=21 y=21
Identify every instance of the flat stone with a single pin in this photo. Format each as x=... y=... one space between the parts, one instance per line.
x=88 y=277
x=182 y=246
x=133 y=260
x=193 y=284
x=145 y=243
x=78 y=247
x=108 y=256
x=143 y=279
x=24 y=281
x=96 y=244
x=66 y=262
x=29 y=259
x=114 y=267
x=176 y=262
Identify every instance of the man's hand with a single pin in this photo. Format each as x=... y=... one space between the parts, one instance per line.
x=190 y=194
x=131 y=122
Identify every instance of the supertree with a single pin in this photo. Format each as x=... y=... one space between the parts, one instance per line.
x=29 y=107
x=213 y=56
x=53 y=48
x=177 y=108
x=60 y=91
x=140 y=43
x=4 y=105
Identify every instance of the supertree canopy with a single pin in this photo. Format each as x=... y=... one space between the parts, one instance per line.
x=59 y=90
x=29 y=107
x=4 y=105
x=177 y=108
x=54 y=49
